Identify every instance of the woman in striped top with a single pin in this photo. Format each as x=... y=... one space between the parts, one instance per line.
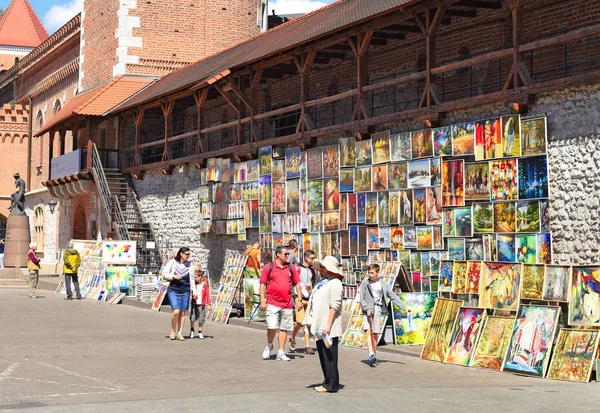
x=178 y=272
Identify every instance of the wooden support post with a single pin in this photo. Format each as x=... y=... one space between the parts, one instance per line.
x=304 y=65
x=138 y=117
x=167 y=110
x=242 y=104
x=75 y=133
x=121 y=139
x=51 y=153
x=429 y=28
x=200 y=98
x=90 y=143
x=232 y=103
x=518 y=75
x=254 y=131
x=62 y=135
x=360 y=53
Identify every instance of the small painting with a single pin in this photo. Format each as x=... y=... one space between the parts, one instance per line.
x=584 y=305
x=331 y=221
x=474 y=249
x=506 y=245
x=384 y=237
x=406 y=212
x=362 y=241
x=526 y=245
x=240 y=172
x=418 y=174
x=533 y=136
x=278 y=174
x=265 y=159
x=331 y=161
x=459 y=280
x=380 y=147
x=347 y=153
x=464 y=221
x=488 y=139
x=453 y=183
x=477 y=181
x=556 y=283
x=253 y=170
x=528 y=216
x=456 y=248
x=314 y=196
x=433 y=205
x=293 y=196
x=424 y=238
x=449 y=225
x=264 y=190
x=400 y=149
x=410 y=237
x=544 y=215
x=371 y=208
x=411 y=323
x=438 y=239
x=315 y=222
x=379 y=181
x=398 y=175
x=446 y=276
x=361 y=208
x=373 y=238
x=442 y=141
x=483 y=218
x=383 y=208
x=544 y=249
x=394 y=207
x=435 y=171
x=465 y=335
x=503 y=180
x=314 y=159
x=422 y=144
x=265 y=221
x=504 y=217
x=362 y=179
x=278 y=197
x=346 y=180
x=511 y=136
x=440 y=329
x=397 y=238
x=420 y=209
x=532 y=281
x=331 y=195
x=531 y=340
x=473 y=277
x=292 y=163
x=533 y=177
x=493 y=343
x=363 y=152
x=499 y=285
x=463 y=139
x=352 y=208
x=574 y=355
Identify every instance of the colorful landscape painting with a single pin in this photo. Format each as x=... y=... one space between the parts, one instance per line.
x=456 y=248
x=465 y=335
x=265 y=159
x=463 y=221
x=400 y=147
x=544 y=248
x=493 y=343
x=556 y=283
x=504 y=217
x=584 y=305
x=463 y=139
x=483 y=218
x=440 y=329
x=574 y=355
x=533 y=281
x=533 y=177
x=500 y=285
x=412 y=322
x=422 y=144
x=531 y=340
x=442 y=141
x=314 y=196
x=533 y=136
x=528 y=216
x=418 y=174
x=453 y=183
x=505 y=247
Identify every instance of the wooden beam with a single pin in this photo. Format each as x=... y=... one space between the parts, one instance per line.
x=431 y=24
x=200 y=98
x=138 y=118
x=481 y=4
x=167 y=111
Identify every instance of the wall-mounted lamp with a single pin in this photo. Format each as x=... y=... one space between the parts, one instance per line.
x=52 y=204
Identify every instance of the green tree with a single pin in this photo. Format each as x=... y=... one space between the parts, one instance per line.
x=429 y=303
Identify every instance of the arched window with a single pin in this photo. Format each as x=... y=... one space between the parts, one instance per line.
x=38 y=225
x=57 y=107
x=39 y=120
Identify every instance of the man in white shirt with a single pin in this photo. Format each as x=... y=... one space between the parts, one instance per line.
x=307 y=279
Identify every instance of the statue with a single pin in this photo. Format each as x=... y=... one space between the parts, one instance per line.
x=17 y=199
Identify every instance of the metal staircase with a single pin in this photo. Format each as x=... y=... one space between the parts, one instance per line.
x=124 y=214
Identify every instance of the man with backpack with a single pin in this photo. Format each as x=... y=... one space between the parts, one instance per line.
x=307 y=280
x=72 y=261
x=276 y=281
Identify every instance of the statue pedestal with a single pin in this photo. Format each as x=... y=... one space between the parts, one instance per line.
x=18 y=238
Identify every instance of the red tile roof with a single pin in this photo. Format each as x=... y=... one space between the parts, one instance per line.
x=20 y=26
x=326 y=20
x=98 y=101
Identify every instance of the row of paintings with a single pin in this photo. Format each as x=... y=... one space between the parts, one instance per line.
x=233 y=271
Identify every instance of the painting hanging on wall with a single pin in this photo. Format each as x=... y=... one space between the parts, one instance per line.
x=433 y=206
x=584 y=303
x=505 y=247
x=453 y=184
x=533 y=177
x=483 y=218
x=379 y=178
x=397 y=175
x=278 y=173
x=477 y=181
x=346 y=180
x=456 y=248
x=314 y=196
x=574 y=355
x=532 y=281
x=504 y=217
x=556 y=283
x=493 y=343
x=331 y=161
x=435 y=171
x=363 y=153
x=528 y=216
x=503 y=180
x=422 y=144
x=293 y=160
x=533 y=136
x=474 y=249
x=460 y=277
x=119 y=253
x=463 y=139
x=526 y=245
x=464 y=222
x=500 y=285
x=531 y=340
x=544 y=248
x=442 y=141
x=446 y=276
x=362 y=179
x=488 y=139
x=347 y=152
x=412 y=322
x=511 y=136
x=418 y=174
x=400 y=147
x=265 y=159
x=314 y=158
x=420 y=209
x=331 y=195
x=440 y=329
x=380 y=147
x=465 y=335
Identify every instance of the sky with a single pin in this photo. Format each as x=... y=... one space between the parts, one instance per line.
x=55 y=13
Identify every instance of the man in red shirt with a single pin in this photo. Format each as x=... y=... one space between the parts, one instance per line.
x=276 y=281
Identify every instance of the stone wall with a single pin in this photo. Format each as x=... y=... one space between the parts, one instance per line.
x=171 y=202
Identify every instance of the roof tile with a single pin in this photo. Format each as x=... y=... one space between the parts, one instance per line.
x=20 y=26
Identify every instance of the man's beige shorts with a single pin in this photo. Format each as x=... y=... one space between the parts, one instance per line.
x=279 y=318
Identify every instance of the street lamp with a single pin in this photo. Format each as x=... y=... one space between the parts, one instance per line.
x=52 y=204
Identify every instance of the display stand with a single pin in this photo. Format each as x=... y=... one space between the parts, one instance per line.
x=229 y=283
x=92 y=282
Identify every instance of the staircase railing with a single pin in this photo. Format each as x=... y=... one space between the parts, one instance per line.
x=120 y=221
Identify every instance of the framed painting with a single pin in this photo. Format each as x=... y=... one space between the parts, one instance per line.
x=253 y=170
x=449 y=226
x=488 y=139
x=410 y=237
x=347 y=152
x=424 y=238
x=474 y=249
x=353 y=231
x=503 y=180
x=464 y=221
x=440 y=329
x=265 y=220
x=584 y=303
x=343 y=211
x=528 y=216
x=264 y=190
x=533 y=281
x=119 y=253
x=379 y=178
x=544 y=215
x=493 y=343
x=416 y=278
x=346 y=180
x=397 y=175
x=371 y=209
x=435 y=171
x=373 y=238
x=362 y=179
x=446 y=276
x=504 y=217
x=438 y=240
x=397 y=238
x=556 y=283
x=383 y=208
x=574 y=355
x=453 y=183
x=331 y=195
x=483 y=218
x=505 y=248
x=384 y=238
x=406 y=212
x=352 y=208
x=239 y=172
x=412 y=322
x=456 y=248
x=533 y=177
x=380 y=147
x=361 y=210
x=418 y=173
x=526 y=245
x=278 y=197
x=533 y=136
x=265 y=157
x=400 y=147
x=362 y=241
x=531 y=340
x=278 y=173
x=473 y=277
x=292 y=163
x=331 y=161
x=499 y=286
x=433 y=206
x=363 y=152
x=426 y=264
x=477 y=185
x=511 y=136
x=460 y=277
x=442 y=141
x=422 y=144
x=463 y=139
x=419 y=213
x=315 y=222
x=544 y=248
x=314 y=196
x=394 y=207
x=331 y=221
x=293 y=196
x=465 y=335
x=314 y=160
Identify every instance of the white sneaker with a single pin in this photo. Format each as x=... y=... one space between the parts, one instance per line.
x=282 y=357
x=200 y=336
x=267 y=353
x=191 y=334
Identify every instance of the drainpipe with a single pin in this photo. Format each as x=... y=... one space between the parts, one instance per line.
x=29 y=142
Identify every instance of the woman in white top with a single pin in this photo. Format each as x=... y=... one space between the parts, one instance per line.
x=325 y=319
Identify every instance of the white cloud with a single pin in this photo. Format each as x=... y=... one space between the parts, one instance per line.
x=59 y=14
x=295 y=6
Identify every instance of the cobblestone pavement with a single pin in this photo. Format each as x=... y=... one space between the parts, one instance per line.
x=85 y=356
